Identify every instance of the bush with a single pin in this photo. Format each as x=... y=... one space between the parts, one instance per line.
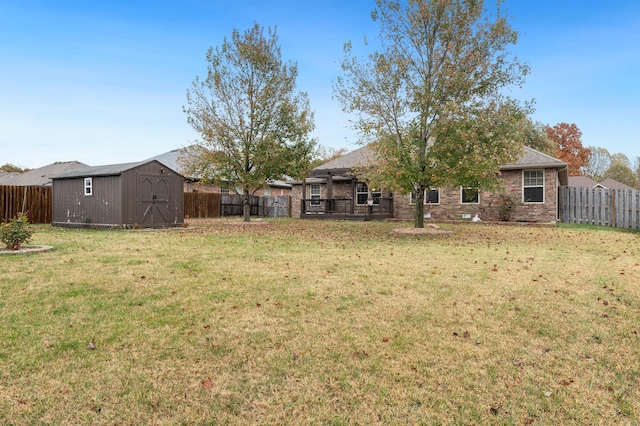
x=15 y=231
x=507 y=207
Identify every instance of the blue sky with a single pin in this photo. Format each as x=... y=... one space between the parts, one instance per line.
x=104 y=82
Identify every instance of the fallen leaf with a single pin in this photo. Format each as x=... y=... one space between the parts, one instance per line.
x=566 y=382
x=207 y=383
x=385 y=339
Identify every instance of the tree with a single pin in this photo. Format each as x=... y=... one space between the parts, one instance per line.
x=535 y=136
x=431 y=101
x=324 y=154
x=620 y=170
x=254 y=125
x=599 y=162
x=10 y=168
x=569 y=147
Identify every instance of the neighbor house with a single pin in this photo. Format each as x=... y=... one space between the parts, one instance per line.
x=587 y=182
x=41 y=176
x=333 y=190
x=143 y=194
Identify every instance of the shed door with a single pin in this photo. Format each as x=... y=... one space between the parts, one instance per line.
x=154 y=196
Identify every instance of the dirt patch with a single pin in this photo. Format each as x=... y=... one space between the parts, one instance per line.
x=26 y=250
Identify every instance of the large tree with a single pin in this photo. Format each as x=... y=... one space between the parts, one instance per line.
x=599 y=162
x=431 y=100
x=254 y=125
x=569 y=147
x=621 y=170
x=535 y=136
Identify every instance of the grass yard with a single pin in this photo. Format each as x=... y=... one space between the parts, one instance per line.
x=309 y=322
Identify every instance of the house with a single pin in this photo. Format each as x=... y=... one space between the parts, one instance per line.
x=333 y=191
x=587 y=182
x=144 y=194
x=41 y=176
x=172 y=160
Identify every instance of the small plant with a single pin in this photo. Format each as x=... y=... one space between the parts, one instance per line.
x=507 y=206
x=15 y=231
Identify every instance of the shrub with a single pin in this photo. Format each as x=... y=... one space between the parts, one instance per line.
x=15 y=231
x=507 y=206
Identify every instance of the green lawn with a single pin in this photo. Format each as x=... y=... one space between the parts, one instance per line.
x=309 y=322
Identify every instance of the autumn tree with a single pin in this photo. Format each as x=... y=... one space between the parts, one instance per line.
x=569 y=147
x=254 y=125
x=599 y=162
x=431 y=100
x=535 y=136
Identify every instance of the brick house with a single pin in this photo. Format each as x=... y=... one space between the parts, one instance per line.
x=332 y=191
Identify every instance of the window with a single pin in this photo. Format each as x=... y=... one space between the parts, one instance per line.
x=267 y=192
x=314 y=193
x=362 y=194
x=469 y=196
x=88 y=187
x=533 y=186
x=224 y=190
x=431 y=196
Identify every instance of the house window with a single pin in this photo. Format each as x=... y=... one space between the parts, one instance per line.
x=533 y=186
x=314 y=193
x=88 y=187
x=224 y=190
x=267 y=192
x=469 y=196
x=431 y=196
x=362 y=194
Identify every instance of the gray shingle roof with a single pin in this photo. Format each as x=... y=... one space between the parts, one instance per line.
x=358 y=158
x=583 y=182
x=614 y=184
x=531 y=158
x=43 y=175
x=108 y=170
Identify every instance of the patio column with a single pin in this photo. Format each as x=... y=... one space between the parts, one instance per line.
x=302 y=197
x=328 y=205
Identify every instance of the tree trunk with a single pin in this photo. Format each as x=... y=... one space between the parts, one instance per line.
x=419 y=197
x=246 y=205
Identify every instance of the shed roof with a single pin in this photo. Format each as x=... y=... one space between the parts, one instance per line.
x=43 y=175
x=108 y=170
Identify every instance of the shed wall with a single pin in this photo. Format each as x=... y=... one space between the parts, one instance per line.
x=71 y=206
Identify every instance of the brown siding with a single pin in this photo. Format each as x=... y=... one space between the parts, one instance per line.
x=117 y=200
x=72 y=206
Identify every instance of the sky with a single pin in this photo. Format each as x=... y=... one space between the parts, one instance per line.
x=104 y=82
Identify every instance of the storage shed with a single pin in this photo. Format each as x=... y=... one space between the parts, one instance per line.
x=147 y=194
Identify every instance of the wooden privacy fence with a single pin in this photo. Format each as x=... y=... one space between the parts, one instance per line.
x=207 y=204
x=201 y=204
x=34 y=200
x=600 y=206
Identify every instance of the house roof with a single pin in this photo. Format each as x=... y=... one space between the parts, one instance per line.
x=43 y=175
x=583 y=182
x=529 y=159
x=614 y=184
x=357 y=158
